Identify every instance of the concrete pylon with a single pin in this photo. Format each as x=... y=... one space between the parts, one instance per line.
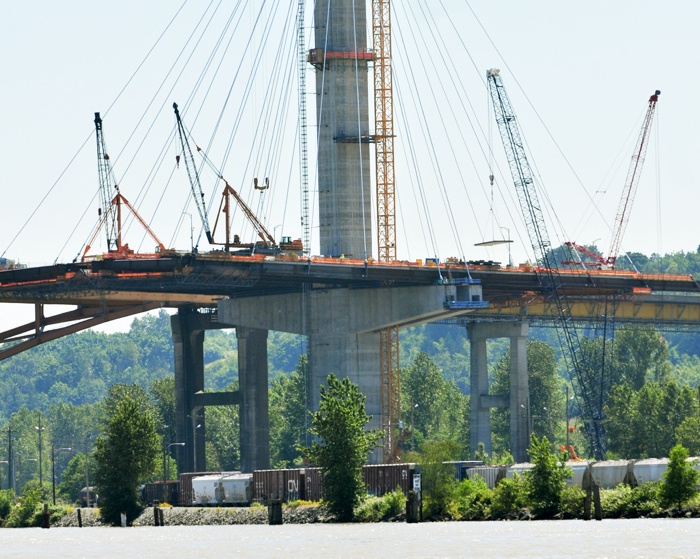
x=518 y=398
x=342 y=111
x=254 y=411
x=188 y=339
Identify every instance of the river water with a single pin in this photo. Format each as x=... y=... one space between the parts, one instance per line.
x=574 y=539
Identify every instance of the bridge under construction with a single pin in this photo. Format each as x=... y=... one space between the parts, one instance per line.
x=349 y=305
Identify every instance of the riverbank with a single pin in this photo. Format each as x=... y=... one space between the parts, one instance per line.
x=205 y=516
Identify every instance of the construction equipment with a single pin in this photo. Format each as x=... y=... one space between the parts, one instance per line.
x=628 y=193
x=547 y=271
x=267 y=242
x=111 y=209
x=106 y=177
x=386 y=212
x=195 y=184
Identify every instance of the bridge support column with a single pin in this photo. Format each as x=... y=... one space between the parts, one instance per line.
x=480 y=415
x=519 y=394
x=351 y=355
x=343 y=327
x=188 y=340
x=518 y=399
x=254 y=409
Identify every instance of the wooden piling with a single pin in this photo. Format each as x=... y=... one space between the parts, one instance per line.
x=274 y=513
x=596 y=499
x=46 y=523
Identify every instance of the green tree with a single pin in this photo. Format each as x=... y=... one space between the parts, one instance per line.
x=288 y=416
x=640 y=355
x=688 y=435
x=639 y=422
x=223 y=449
x=547 y=406
x=162 y=393
x=343 y=445
x=620 y=421
x=680 y=479
x=432 y=407
x=73 y=477
x=547 y=479
x=126 y=454
x=438 y=482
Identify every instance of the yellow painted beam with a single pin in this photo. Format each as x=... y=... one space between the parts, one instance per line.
x=681 y=312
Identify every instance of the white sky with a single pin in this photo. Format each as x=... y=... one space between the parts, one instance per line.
x=585 y=70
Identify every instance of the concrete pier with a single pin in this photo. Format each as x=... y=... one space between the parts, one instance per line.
x=517 y=400
x=188 y=327
x=343 y=329
x=254 y=410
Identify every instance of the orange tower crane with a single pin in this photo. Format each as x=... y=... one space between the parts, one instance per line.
x=386 y=212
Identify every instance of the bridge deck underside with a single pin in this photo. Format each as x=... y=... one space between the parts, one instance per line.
x=202 y=281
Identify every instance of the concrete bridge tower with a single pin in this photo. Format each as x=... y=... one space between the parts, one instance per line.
x=342 y=110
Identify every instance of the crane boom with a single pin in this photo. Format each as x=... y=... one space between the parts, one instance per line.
x=548 y=273
x=635 y=171
x=195 y=184
x=108 y=216
x=628 y=193
x=225 y=208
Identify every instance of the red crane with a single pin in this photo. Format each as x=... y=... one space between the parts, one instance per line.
x=628 y=192
x=623 y=211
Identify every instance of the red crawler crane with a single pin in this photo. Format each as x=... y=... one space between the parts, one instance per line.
x=623 y=211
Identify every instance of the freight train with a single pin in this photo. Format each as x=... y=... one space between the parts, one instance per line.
x=306 y=484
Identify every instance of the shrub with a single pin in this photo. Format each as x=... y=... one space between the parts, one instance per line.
x=374 y=509
x=680 y=479
x=645 y=499
x=23 y=512
x=614 y=501
x=472 y=499
x=7 y=498
x=437 y=476
x=571 y=505
x=510 y=495
x=56 y=512
x=299 y=503
x=547 y=479
x=370 y=509
x=625 y=502
x=396 y=501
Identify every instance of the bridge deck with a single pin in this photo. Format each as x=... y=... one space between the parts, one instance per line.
x=202 y=279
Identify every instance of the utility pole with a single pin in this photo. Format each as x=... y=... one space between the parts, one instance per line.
x=40 y=429
x=87 y=479
x=53 y=468
x=10 y=468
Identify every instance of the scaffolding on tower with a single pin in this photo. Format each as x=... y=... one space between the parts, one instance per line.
x=386 y=214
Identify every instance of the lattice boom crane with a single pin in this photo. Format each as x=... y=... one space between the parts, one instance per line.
x=548 y=273
x=628 y=192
